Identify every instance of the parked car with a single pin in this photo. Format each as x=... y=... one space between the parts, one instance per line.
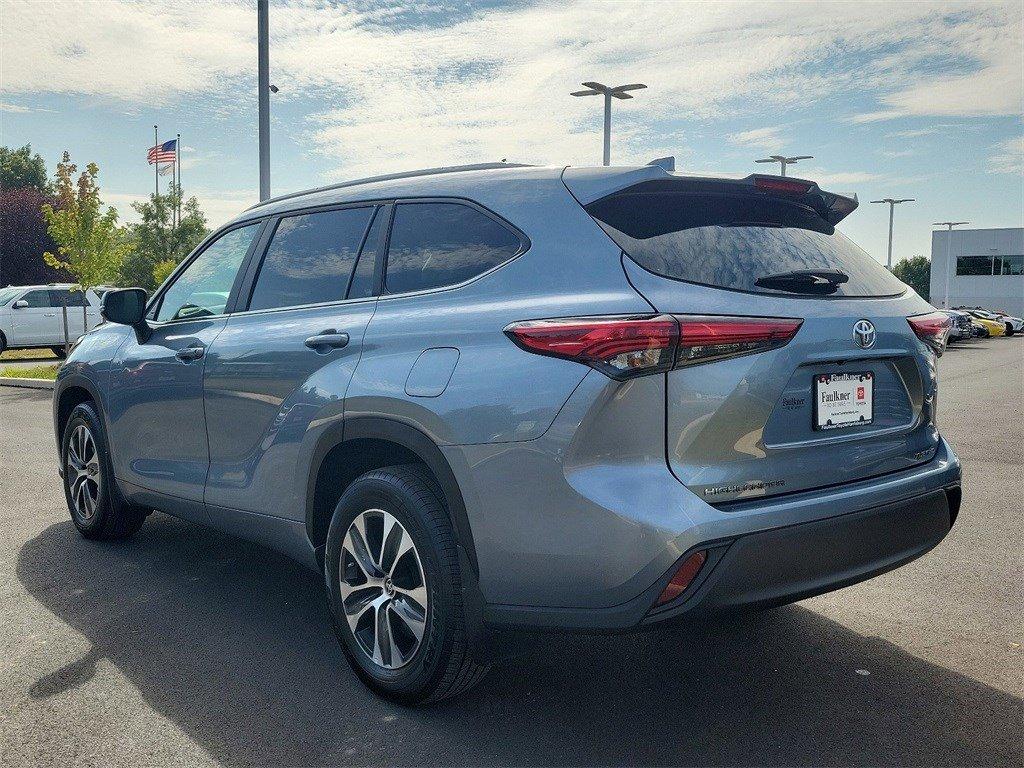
x=1011 y=324
x=591 y=399
x=994 y=327
x=961 y=328
x=31 y=316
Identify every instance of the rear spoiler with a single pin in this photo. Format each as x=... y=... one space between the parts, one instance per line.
x=831 y=207
x=589 y=185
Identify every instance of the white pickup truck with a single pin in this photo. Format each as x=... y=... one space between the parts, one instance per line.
x=31 y=316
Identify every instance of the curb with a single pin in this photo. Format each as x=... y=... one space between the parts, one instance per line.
x=12 y=381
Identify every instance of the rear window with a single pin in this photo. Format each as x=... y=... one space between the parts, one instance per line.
x=733 y=241
x=438 y=244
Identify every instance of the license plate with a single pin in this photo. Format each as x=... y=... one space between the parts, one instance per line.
x=843 y=399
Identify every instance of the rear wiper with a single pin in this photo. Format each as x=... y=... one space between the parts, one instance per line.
x=812 y=281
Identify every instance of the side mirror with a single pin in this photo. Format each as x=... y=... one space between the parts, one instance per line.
x=20 y=304
x=127 y=307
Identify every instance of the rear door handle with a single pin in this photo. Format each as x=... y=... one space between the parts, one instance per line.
x=326 y=341
x=189 y=354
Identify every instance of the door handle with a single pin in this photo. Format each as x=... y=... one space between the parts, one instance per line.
x=49 y=314
x=189 y=354
x=326 y=341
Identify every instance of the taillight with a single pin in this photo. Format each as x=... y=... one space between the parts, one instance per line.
x=932 y=329
x=624 y=347
x=621 y=347
x=703 y=339
x=781 y=185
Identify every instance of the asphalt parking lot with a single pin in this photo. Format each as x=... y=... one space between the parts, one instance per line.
x=186 y=646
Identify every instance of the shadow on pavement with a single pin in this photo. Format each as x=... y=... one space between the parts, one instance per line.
x=232 y=643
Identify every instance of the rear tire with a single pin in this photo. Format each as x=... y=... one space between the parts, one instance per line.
x=97 y=508
x=1009 y=330
x=406 y=525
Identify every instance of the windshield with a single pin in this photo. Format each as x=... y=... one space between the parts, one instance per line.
x=758 y=246
x=6 y=294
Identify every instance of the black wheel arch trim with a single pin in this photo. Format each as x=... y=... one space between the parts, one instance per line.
x=416 y=441
x=76 y=380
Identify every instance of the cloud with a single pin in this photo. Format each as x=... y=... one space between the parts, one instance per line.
x=912 y=134
x=403 y=87
x=1008 y=156
x=767 y=138
x=21 y=109
x=897 y=153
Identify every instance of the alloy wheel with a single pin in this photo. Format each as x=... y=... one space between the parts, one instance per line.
x=383 y=589
x=83 y=472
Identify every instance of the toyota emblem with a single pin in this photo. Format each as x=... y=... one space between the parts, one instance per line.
x=864 y=334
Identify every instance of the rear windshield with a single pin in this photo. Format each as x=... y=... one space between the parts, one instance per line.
x=731 y=241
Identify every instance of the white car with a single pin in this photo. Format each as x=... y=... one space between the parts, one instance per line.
x=31 y=316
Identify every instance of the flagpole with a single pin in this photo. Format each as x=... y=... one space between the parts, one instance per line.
x=177 y=169
x=156 y=157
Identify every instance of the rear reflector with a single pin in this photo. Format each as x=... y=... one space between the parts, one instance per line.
x=624 y=347
x=933 y=329
x=683 y=577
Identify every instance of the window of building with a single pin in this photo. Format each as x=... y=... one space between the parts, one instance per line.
x=1009 y=265
x=438 y=244
x=974 y=265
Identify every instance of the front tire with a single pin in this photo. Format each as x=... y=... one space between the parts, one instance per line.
x=394 y=588
x=1009 y=330
x=58 y=352
x=96 y=506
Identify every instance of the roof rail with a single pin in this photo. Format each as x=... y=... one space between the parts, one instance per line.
x=389 y=177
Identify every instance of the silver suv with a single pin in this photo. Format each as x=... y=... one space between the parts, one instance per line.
x=506 y=396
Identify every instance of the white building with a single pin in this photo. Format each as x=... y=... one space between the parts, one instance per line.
x=978 y=268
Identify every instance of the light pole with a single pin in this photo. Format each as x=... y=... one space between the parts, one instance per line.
x=892 y=205
x=783 y=161
x=263 y=86
x=949 y=244
x=618 y=92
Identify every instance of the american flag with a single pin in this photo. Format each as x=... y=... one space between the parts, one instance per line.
x=162 y=153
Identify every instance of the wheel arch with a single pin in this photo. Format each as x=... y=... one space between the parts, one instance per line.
x=71 y=392
x=356 y=445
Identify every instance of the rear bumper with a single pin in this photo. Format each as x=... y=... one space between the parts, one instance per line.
x=773 y=551
x=798 y=561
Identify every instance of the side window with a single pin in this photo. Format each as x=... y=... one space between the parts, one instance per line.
x=37 y=299
x=362 y=284
x=202 y=290
x=310 y=258
x=71 y=298
x=436 y=244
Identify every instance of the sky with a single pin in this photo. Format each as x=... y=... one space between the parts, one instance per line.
x=911 y=99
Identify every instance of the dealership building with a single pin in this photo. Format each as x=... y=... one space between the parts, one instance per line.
x=978 y=268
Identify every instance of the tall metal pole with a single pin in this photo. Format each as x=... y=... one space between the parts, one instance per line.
x=888 y=259
x=156 y=156
x=783 y=163
x=263 y=84
x=177 y=170
x=607 y=129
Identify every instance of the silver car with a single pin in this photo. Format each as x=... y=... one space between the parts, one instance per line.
x=533 y=397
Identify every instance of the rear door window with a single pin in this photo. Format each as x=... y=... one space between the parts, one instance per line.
x=68 y=298
x=38 y=299
x=310 y=258
x=439 y=244
x=736 y=242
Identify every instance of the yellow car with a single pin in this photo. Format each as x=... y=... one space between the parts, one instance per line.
x=993 y=328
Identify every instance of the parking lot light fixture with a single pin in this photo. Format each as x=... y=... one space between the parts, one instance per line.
x=949 y=242
x=892 y=205
x=783 y=161
x=609 y=93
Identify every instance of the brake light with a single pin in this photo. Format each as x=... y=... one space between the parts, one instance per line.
x=780 y=185
x=932 y=329
x=624 y=347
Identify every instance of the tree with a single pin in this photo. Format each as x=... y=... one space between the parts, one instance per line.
x=917 y=273
x=24 y=239
x=162 y=270
x=19 y=168
x=157 y=239
x=90 y=244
